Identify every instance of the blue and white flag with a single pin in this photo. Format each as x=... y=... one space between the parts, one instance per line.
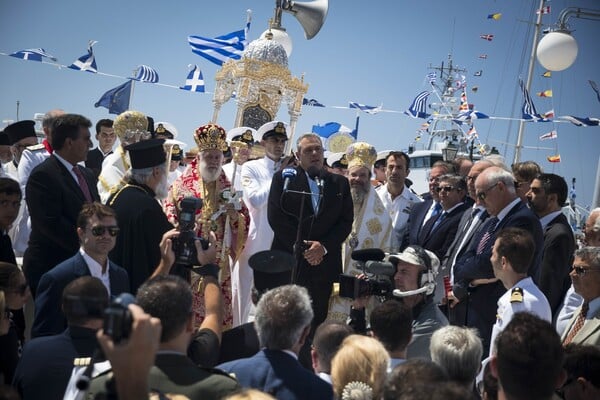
x=595 y=88
x=86 y=62
x=194 y=81
x=581 y=121
x=528 y=109
x=221 y=48
x=364 y=107
x=467 y=116
x=312 y=102
x=418 y=108
x=146 y=74
x=32 y=55
x=116 y=99
x=432 y=78
x=330 y=128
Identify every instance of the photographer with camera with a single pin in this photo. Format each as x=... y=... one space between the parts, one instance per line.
x=414 y=282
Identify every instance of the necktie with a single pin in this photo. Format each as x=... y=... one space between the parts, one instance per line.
x=314 y=188
x=82 y=184
x=438 y=220
x=577 y=325
x=488 y=228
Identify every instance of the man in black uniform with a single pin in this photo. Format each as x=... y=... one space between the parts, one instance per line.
x=142 y=221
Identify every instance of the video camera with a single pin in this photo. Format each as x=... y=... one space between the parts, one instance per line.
x=184 y=245
x=379 y=276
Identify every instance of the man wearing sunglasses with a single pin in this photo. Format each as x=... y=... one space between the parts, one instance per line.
x=97 y=230
x=473 y=273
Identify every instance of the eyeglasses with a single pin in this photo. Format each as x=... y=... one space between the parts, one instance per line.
x=444 y=189
x=560 y=392
x=483 y=194
x=581 y=271
x=99 y=230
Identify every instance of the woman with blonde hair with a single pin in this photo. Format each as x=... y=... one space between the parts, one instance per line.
x=359 y=369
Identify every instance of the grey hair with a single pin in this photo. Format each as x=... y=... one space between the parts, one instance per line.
x=495 y=175
x=590 y=254
x=308 y=135
x=282 y=314
x=49 y=118
x=143 y=175
x=457 y=181
x=458 y=350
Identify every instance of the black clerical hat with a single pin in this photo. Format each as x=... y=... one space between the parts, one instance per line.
x=20 y=130
x=147 y=153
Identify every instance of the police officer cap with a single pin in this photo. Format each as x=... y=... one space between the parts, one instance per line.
x=273 y=128
x=147 y=153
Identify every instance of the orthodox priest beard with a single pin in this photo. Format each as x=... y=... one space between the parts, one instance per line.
x=208 y=174
x=359 y=194
x=162 y=189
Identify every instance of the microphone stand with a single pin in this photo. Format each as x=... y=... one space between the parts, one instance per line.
x=299 y=246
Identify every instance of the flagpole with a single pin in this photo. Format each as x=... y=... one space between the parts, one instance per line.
x=536 y=33
x=356 y=127
x=131 y=90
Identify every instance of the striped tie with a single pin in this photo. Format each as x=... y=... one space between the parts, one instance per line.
x=578 y=324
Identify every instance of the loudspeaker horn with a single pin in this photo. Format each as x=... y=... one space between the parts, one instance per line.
x=310 y=14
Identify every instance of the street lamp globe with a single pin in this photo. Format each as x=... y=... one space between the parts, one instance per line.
x=557 y=50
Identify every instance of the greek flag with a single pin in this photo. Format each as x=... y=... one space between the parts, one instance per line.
x=581 y=121
x=146 y=74
x=364 y=107
x=194 y=81
x=431 y=78
x=221 y=48
x=116 y=99
x=529 y=111
x=32 y=54
x=418 y=108
x=595 y=89
x=312 y=102
x=468 y=115
x=86 y=62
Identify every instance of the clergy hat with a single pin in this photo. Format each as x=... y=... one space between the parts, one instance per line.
x=361 y=154
x=4 y=139
x=147 y=153
x=129 y=123
x=211 y=137
x=271 y=269
x=273 y=128
x=20 y=130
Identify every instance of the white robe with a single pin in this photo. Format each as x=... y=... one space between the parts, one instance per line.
x=114 y=167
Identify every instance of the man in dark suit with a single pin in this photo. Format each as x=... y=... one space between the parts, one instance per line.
x=438 y=233
x=97 y=230
x=169 y=298
x=421 y=213
x=46 y=363
x=55 y=192
x=546 y=196
x=326 y=221
x=10 y=201
x=106 y=137
x=473 y=272
x=283 y=322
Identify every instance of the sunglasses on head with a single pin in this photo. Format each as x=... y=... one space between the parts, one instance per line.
x=99 y=230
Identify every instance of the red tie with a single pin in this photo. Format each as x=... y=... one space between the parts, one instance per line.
x=577 y=325
x=82 y=184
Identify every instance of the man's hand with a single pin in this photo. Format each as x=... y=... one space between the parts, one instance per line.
x=482 y=281
x=452 y=299
x=132 y=359
x=208 y=256
x=231 y=212
x=315 y=252
x=167 y=256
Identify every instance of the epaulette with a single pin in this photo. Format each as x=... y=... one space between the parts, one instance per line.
x=36 y=147
x=516 y=295
x=82 y=361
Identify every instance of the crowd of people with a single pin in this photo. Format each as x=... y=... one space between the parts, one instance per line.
x=239 y=270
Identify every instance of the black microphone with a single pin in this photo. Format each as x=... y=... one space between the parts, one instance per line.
x=288 y=174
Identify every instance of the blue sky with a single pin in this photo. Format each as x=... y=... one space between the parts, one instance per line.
x=369 y=52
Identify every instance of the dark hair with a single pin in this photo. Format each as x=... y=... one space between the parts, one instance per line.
x=583 y=361
x=440 y=391
x=529 y=357
x=516 y=244
x=168 y=298
x=9 y=186
x=554 y=184
x=8 y=275
x=412 y=372
x=327 y=340
x=489 y=383
x=391 y=322
x=88 y=210
x=526 y=171
x=398 y=154
x=107 y=123
x=83 y=299
x=67 y=126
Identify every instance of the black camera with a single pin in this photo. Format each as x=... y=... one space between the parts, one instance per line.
x=184 y=245
x=118 y=319
x=378 y=280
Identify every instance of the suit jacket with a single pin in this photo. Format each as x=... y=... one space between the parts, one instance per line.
x=557 y=258
x=415 y=222
x=94 y=161
x=49 y=319
x=482 y=300
x=46 y=363
x=279 y=374
x=331 y=226
x=589 y=333
x=54 y=200
x=239 y=342
x=439 y=239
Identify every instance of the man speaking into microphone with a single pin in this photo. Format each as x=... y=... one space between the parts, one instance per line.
x=312 y=207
